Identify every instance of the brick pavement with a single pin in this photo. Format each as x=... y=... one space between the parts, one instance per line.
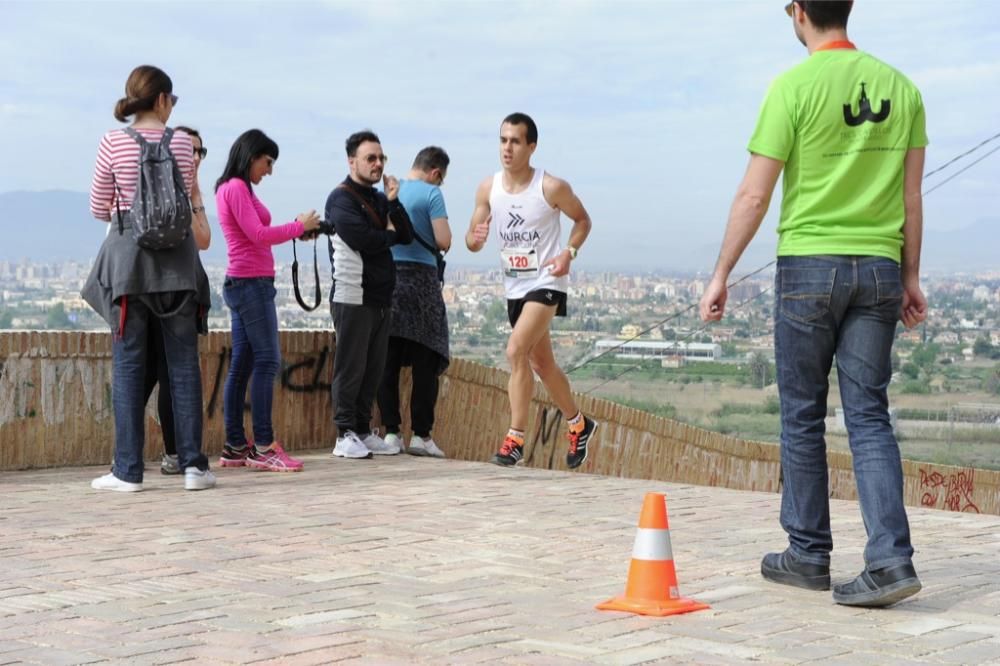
x=406 y=560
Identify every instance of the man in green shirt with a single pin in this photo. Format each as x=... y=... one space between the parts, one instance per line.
x=849 y=133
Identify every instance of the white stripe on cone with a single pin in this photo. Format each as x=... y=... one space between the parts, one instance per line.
x=652 y=544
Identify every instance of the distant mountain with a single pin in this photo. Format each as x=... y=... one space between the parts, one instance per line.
x=55 y=225
x=49 y=225
x=971 y=248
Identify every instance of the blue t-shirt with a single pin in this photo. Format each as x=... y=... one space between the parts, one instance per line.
x=423 y=202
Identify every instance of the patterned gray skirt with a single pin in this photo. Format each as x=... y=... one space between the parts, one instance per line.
x=418 y=310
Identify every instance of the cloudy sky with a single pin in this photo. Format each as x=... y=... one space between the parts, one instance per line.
x=645 y=107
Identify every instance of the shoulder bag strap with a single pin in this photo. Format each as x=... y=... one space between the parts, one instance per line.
x=365 y=206
x=295 y=279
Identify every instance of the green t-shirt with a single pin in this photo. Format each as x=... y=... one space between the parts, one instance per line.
x=841 y=121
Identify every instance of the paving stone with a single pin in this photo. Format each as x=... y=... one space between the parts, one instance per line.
x=195 y=578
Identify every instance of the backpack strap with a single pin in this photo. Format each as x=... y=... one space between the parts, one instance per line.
x=139 y=139
x=118 y=203
x=168 y=136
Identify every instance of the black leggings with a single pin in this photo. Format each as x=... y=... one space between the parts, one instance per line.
x=424 y=393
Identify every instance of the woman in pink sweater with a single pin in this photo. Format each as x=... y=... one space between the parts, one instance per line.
x=249 y=292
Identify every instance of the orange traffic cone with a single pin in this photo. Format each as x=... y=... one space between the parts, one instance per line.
x=652 y=581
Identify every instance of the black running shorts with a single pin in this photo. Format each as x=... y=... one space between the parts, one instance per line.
x=551 y=297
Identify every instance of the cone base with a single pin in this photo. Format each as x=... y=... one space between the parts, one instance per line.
x=654 y=607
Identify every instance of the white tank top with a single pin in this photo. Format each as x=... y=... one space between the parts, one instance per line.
x=529 y=232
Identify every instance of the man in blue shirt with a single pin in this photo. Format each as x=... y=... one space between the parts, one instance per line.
x=418 y=336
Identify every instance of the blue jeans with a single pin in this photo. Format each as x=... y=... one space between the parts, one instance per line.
x=256 y=353
x=844 y=307
x=129 y=354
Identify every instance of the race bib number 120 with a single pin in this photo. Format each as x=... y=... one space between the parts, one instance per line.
x=519 y=262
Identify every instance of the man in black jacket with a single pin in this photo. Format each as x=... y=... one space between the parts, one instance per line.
x=363 y=224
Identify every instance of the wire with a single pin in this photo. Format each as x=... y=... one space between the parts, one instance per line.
x=961 y=171
x=664 y=321
x=684 y=311
x=677 y=342
x=958 y=157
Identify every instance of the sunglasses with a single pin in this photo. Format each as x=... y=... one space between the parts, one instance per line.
x=373 y=158
x=201 y=152
x=789 y=9
x=173 y=99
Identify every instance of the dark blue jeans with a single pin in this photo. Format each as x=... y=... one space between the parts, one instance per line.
x=848 y=308
x=131 y=364
x=256 y=353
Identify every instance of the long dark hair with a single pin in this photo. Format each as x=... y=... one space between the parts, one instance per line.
x=248 y=146
x=142 y=89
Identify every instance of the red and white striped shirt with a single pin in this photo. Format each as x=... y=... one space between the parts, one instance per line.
x=118 y=153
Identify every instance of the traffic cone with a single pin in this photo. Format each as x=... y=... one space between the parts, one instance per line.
x=652 y=581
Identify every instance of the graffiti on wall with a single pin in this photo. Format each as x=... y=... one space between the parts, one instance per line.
x=51 y=388
x=305 y=376
x=952 y=492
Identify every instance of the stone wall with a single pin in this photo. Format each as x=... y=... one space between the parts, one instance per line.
x=55 y=409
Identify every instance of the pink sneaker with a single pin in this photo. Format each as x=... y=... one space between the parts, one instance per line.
x=235 y=457
x=273 y=459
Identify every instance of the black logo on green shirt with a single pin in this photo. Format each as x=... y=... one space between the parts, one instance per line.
x=865 y=111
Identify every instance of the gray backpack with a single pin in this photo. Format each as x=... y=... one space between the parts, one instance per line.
x=160 y=215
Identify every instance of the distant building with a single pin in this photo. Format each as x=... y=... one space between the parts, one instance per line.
x=981 y=293
x=672 y=362
x=629 y=331
x=652 y=349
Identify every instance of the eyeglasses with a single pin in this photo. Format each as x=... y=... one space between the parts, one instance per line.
x=373 y=158
x=201 y=152
x=789 y=9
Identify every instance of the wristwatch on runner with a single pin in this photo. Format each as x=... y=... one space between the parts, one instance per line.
x=572 y=251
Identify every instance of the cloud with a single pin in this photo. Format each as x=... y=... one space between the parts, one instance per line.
x=645 y=106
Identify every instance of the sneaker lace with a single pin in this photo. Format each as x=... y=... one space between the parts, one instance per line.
x=574 y=441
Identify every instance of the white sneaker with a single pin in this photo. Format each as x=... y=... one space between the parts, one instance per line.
x=196 y=479
x=424 y=447
x=393 y=439
x=111 y=482
x=379 y=446
x=349 y=446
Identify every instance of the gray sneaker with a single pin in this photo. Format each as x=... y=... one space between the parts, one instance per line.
x=168 y=465
x=349 y=446
x=424 y=447
x=379 y=446
x=197 y=479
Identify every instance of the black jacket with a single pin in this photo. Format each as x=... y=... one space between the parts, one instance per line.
x=362 y=265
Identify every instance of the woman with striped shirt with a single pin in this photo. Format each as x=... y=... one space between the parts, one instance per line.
x=131 y=286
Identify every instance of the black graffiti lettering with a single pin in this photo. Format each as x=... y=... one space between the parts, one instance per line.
x=219 y=372
x=318 y=364
x=548 y=428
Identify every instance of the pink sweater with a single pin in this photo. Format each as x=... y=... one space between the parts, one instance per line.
x=246 y=224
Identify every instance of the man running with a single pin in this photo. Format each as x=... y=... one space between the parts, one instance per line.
x=525 y=203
